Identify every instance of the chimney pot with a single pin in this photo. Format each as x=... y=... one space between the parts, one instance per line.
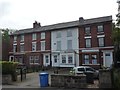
x=36 y=24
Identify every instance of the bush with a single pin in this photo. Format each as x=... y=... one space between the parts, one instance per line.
x=116 y=77
x=8 y=67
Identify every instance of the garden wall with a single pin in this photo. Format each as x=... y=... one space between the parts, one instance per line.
x=69 y=81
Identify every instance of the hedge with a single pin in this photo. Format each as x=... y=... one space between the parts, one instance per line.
x=8 y=67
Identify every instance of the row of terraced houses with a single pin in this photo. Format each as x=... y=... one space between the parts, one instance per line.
x=68 y=44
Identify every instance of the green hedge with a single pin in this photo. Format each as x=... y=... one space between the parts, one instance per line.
x=8 y=67
x=116 y=78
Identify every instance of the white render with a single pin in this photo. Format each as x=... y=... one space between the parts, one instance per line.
x=64 y=50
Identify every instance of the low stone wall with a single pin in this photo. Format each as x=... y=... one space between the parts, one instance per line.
x=105 y=80
x=6 y=79
x=69 y=81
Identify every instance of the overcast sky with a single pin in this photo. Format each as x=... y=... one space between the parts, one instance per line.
x=20 y=14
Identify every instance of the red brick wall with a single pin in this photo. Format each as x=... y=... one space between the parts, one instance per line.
x=94 y=41
x=11 y=44
x=48 y=40
x=108 y=32
x=94 y=36
x=28 y=42
x=81 y=37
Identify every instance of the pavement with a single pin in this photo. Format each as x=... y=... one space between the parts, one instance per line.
x=32 y=81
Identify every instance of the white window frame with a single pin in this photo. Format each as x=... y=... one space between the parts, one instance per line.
x=64 y=59
x=21 y=37
x=58 y=34
x=11 y=58
x=55 y=58
x=94 y=58
x=15 y=38
x=86 y=59
x=36 y=59
x=42 y=35
x=34 y=44
x=22 y=48
x=100 y=28
x=33 y=59
x=42 y=45
x=14 y=48
x=47 y=59
x=88 y=42
x=87 y=30
x=70 y=61
x=101 y=42
x=20 y=60
x=34 y=36
x=69 y=33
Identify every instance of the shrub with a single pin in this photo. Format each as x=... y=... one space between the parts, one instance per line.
x=8 y=67
x=116 y=77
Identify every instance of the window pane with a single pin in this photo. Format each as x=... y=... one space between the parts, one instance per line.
x=101 y=42
x=63 y=58
x=34 y=36
x=21 y=47
x=86 y=59
x=42 y=45
x=69 y=44
x=14 y=48
x=20 y=60
x=69 y=33
x=47 y=58
x=31 y=59
x=90 y=69
x=81 y=69
x=15 y=38
x=22 y=38
x=55 y=58
x=34 y=46
x=70 y=58
x=36 y=59
x=100 y=28
x=43 y=35
x=88 y=42
x=58 y=34
x=58 y=45
x=94 y=59
x=87 y=30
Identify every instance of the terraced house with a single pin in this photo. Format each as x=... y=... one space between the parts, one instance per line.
x=68 y=44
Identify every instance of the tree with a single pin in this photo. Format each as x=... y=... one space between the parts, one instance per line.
x=5 y=44
x=116 y=39
x=5 y=35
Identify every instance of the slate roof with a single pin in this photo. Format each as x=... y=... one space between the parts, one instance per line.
x=64 y=25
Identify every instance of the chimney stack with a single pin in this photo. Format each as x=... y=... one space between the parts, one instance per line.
x=36 y=24
x=81 y=19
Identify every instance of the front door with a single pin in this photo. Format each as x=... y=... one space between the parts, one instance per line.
x=46 y=60
x=11 y=58
x=55 y=60
x=108 y=59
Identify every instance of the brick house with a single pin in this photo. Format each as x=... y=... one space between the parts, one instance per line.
x=96 y=47
x=29 y=46
x=69 y=44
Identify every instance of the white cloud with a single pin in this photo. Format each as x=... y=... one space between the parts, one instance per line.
x=22 y=13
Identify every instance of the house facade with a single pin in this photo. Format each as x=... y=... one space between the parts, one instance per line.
x=29 y=47
x=96 y=47
x=64 y=46
x=69 y=44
